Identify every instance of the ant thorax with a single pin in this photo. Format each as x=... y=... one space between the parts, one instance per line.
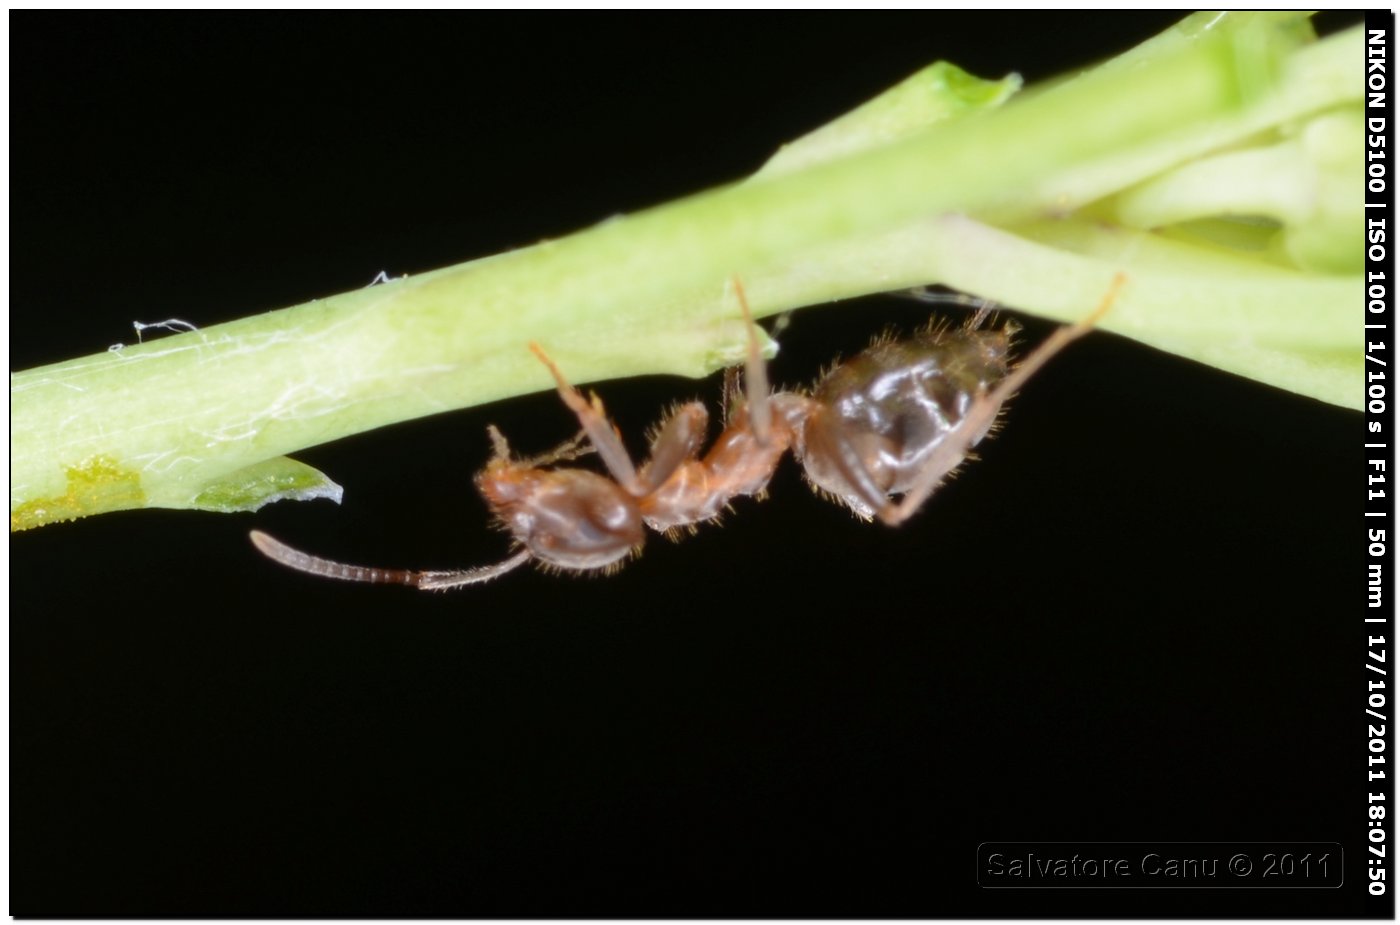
x=739 y=464
x=879 y=417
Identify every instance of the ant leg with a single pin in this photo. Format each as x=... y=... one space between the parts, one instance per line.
x=731 y=393
x=755 y=375
x=572 y=448
x=280 y=552
x=677 y=441
x=597 y=426
x=835 y=445
x=983 y=412
x=499 y=448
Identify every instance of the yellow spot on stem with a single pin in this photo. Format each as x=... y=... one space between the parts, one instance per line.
x=95 y=485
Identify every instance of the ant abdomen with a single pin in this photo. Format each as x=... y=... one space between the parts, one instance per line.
x=879 y=417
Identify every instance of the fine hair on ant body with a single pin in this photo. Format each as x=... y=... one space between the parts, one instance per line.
x=893 y=421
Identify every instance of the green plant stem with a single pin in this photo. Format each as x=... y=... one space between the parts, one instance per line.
x=981 y=199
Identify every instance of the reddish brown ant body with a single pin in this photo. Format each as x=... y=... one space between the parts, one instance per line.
x=894 y=420
x=579 y=520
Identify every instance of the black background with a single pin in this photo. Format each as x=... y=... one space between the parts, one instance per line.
x=1136 y=618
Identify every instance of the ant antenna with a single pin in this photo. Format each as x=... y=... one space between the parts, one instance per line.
x=280 y=552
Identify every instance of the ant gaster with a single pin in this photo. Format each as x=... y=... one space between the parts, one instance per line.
x=901 y=415
x=894 y=420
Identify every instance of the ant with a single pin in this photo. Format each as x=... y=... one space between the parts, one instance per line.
x=579 y=520
x=894 y=420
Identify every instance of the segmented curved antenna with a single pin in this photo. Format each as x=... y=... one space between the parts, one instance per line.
x=280 y=552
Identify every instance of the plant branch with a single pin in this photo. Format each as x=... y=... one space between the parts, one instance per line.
x=935 y=182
